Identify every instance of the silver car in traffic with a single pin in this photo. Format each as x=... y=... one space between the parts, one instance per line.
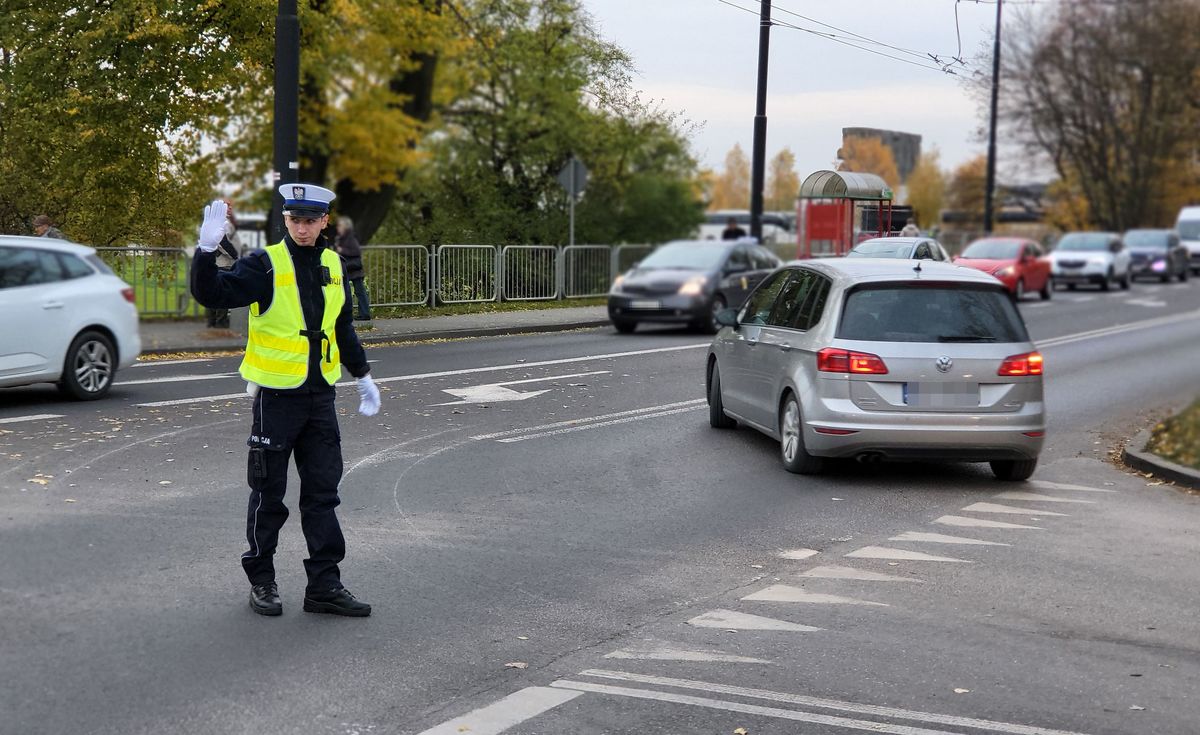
x=879 y=359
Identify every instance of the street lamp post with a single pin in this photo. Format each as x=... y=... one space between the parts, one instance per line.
x=990 y=192
x=759 y=164
x=287 y=104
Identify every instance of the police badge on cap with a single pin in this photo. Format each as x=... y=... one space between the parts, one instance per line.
x=305 y=200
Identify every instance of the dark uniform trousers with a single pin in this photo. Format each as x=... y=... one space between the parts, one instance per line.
x=303 y=423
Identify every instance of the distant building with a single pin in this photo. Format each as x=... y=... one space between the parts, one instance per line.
x=906 y=147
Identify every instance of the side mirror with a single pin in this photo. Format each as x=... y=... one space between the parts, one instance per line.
x=727 y=318
x=1115 y=246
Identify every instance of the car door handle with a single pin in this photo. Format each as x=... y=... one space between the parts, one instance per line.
x=53 y=305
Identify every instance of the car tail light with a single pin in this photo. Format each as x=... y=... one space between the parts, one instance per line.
x=834 y=360
x=1029 y=363
x=128 y=294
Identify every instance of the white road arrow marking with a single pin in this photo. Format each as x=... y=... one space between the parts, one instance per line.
x=498 y=392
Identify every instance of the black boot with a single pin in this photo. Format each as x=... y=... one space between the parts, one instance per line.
x=336 y=602
x=264 y=599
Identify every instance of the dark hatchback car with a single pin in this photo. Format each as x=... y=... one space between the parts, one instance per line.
x=1157 y=254
x=688 y=282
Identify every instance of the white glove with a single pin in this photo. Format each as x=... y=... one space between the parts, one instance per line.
x=369 y=405
x=213 y=228
x=251 y=389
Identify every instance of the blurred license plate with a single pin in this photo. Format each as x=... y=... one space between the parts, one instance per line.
x=941 y=395
x=643 y=304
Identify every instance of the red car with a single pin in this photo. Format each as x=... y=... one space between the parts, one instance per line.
x=1019 y=264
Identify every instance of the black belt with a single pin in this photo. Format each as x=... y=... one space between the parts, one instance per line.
x=317 y=334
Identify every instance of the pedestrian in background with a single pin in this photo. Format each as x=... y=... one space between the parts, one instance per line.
x=347 y=246
x=910 y=229
x=300 y=336
x=228 y=251
x=44 y=227
x=732 y=231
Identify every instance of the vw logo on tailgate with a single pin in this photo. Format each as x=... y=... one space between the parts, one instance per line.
x=944 y=364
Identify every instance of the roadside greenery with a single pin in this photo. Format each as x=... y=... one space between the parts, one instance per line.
x=439 y=121
x=1178 y=438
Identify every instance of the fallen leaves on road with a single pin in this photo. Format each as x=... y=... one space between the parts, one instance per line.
x=960 y=690
x=516 y=665
x=41 y=479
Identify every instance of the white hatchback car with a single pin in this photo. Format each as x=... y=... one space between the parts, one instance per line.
x=67 y=318
x=1099 y=258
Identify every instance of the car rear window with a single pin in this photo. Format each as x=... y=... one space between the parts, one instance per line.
x=930 y=312
x=993 y=249
x=100 y=264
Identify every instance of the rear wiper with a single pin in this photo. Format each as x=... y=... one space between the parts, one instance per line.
x=964 y=338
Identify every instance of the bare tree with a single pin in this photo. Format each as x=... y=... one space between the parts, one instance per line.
x=1110 y=93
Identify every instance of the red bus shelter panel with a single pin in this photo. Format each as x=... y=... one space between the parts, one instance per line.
x=825 y=220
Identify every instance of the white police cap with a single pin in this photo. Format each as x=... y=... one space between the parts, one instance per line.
x=305 y=200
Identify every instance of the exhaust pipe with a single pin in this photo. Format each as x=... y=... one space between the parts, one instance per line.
x=870 y=458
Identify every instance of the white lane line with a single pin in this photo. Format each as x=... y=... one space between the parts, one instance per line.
x=665 y=653
x=728 y=619
x=464 y=371
x=834 y=704
x=1019 y=495
x=996 y=508
x=581 y=421
x=538 y=363
x=966 y=522
x=598 y=425
x=1151 y=303
x=31 y=417
x=940 y=538
x=787 y=593
x=158 y=363
x=1047 y=485
x=797 y=553
x=749 y=709
x=552 y=377
x=1118 y=329
x=512 y=710
x=837 y=572
x=1038 y=305
x=205 y=399
x=177 y=379
x=882 y=552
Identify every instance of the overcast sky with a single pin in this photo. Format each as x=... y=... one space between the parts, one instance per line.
x=700 y=57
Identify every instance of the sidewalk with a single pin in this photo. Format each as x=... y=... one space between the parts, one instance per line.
x=192 y=336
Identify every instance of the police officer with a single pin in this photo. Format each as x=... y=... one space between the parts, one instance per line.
x=300 y=336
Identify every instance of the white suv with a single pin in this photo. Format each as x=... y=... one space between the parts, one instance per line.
x=1090 y=258
x=67 y=318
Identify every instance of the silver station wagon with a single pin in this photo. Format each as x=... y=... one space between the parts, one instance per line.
x=879 y=359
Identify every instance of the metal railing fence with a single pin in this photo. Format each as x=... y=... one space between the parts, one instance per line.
x=586 y=271
x=530 y=272
x=409 y=275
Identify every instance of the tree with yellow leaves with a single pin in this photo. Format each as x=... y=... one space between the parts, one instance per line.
x=731 y=187
x=868 y=155
x=965 y=192
x=927 y=188
x=782 y=183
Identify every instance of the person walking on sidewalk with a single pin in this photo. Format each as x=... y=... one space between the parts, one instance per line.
x=44 y=227
x=300 y=336
x=347 y=246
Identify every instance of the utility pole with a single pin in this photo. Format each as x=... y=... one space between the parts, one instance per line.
x=990 y=191
x=758 y=166
x=287 y=105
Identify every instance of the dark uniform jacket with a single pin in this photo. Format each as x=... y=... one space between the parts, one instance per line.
x=251 y=281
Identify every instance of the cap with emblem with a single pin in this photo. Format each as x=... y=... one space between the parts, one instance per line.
x=305 y=200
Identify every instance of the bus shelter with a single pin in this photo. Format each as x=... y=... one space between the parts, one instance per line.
x=832 y=208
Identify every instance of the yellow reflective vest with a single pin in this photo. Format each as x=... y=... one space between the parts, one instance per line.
x=278 y=344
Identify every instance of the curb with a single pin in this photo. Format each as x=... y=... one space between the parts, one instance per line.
x=1156 y=465
x=367 y=339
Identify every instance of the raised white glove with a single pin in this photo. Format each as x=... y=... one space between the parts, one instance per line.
x=369 y=393
x=213 y=228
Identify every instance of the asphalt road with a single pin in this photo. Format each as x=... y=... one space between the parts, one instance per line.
x=555 y=541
